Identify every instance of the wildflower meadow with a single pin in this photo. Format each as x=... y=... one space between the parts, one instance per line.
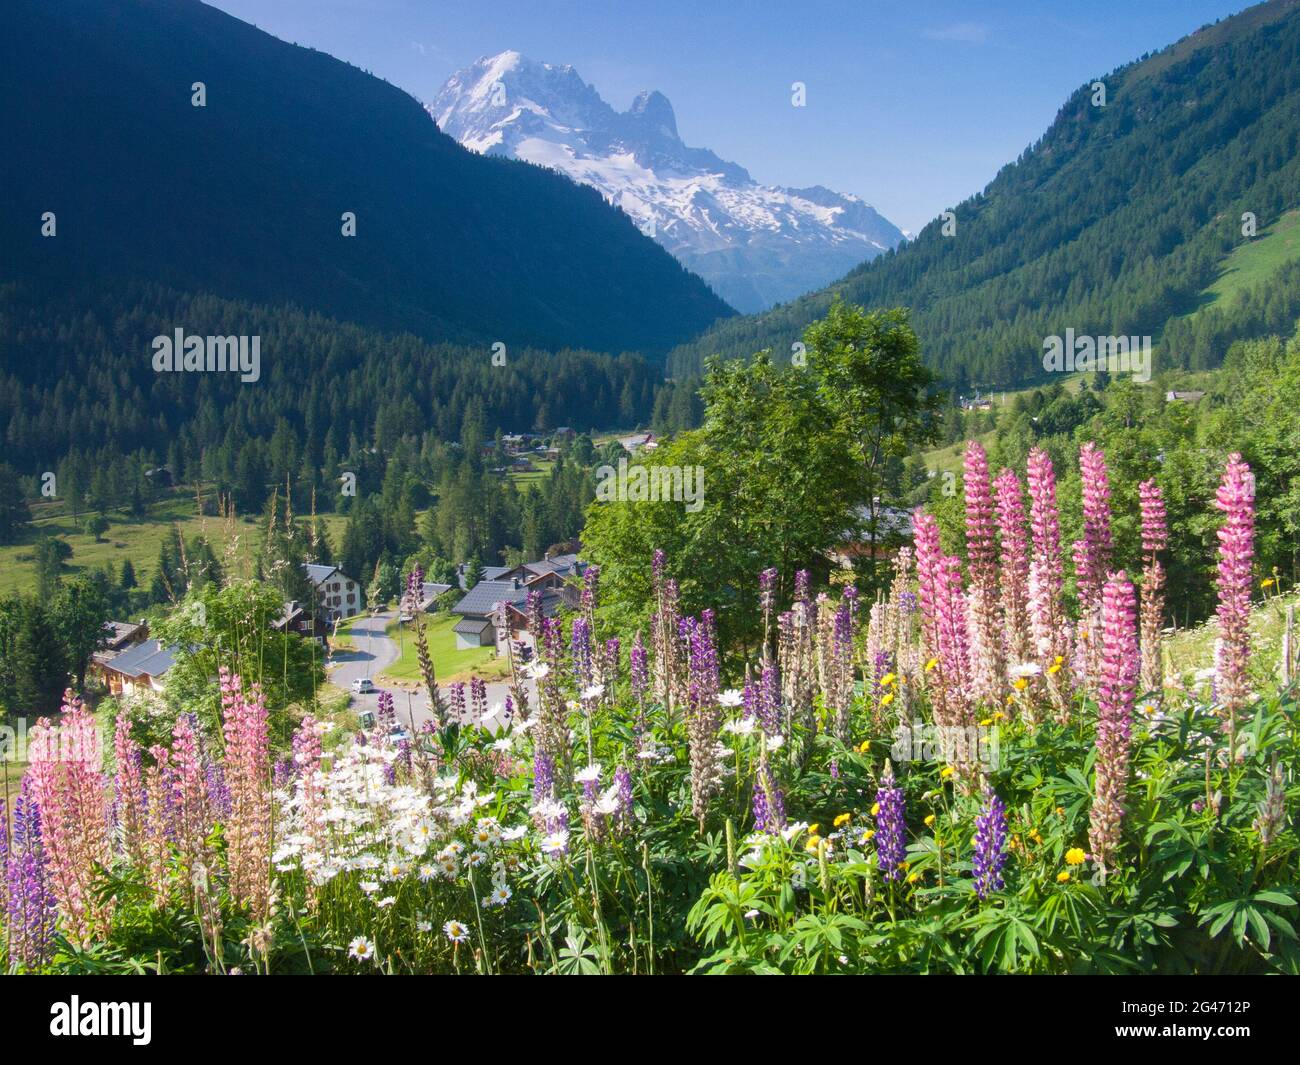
x=986 y=768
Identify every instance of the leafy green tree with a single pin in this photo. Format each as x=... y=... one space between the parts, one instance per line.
x=96 y=526
x=50 y=554
x=871 y=378
x=78 y=613
x=230 y=627
x=14 y=512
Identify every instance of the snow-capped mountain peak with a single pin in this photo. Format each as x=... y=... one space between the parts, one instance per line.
x=755 y=244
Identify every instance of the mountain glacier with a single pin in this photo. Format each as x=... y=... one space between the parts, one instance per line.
x=757 y=245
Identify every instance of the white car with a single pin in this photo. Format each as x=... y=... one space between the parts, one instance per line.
x=363 y=686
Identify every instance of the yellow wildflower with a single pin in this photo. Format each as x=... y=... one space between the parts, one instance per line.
x=1020 y=684
x=811 y=845
x=1062 y=877
x=931 y=664
x=875 y=808
x=870 y=832
x=812 y=829
x=1267 y=582
x=843 y=819
x=929 y=820
x=1035 y=836
x=998 y=715
x=887 y=680
x=946 y=772
x=1075 y=856
x=863 y=746
x=887 y=698
x=986 y=722
x=912 y=878
x=1055 y=667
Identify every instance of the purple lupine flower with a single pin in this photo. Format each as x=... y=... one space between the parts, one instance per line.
x=543 y=778
x=891 y=826
x=590 y=582
x=387 y=713
x=414 y=590
x=623 y=792
x=769 y=803
x=30 y=907
x=458 y=701
x=657 y=566
x=214 y=776
x=639 y=663
x=477 y=698
x=580 y=645
x=990 y=846
x=767 y=593
x=769 y=700
x=609 y=666
x=835 y=769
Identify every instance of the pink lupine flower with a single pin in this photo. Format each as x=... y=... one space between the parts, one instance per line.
x=987 y=658
x=309 y=781
x=1046 y=570
x=1236 y=498
x=1093 y=553
x=1155 y=536
x=1014 y=544
x=248 y=772
x=128 y=789
x=1116 y=688
x=69 y=786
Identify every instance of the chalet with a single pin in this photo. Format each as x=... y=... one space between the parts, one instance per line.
x=502 y=596
x=564 y=434
x=337 y=595
x=514 y=443
x=119 y=635
x=476 y=626
x=430 y=593
x=639 y=442
x=490 y=573
x=139 y=668
x=893 y=528
x=1192 y=396
x=300 y=620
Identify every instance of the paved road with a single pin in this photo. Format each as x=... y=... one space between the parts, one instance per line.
x=372 y=653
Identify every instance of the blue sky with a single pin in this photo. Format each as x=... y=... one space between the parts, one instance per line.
x=911 y=105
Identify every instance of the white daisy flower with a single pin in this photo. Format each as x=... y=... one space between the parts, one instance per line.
x=731 y=697
x=455 y=931
x=362 y=949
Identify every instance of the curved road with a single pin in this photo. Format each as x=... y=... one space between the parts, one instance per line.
x=373 y=652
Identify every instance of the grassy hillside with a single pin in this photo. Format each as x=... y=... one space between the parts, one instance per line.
x=137 y=539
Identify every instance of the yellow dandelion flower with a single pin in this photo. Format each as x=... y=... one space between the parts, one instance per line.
x=811 y=845
x=1267 y=582
x=1020 y=684
x=1062 y=877
x=870 y=833
x=1075 y=856
x=864 y=746
x=1054 y=668
x=1011 y=699
x=887 y=698
x=1035 y=836
x=812 y=829
x=931 y=664
x=998 y=715
x=843 y=819
x=887 y=680
x=875 y=808
x=912 y=878
x=946 y=772
x=986 y=722
x=929 y=820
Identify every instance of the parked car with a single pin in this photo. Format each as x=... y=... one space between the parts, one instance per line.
x=366 y=719
x=363 y=686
